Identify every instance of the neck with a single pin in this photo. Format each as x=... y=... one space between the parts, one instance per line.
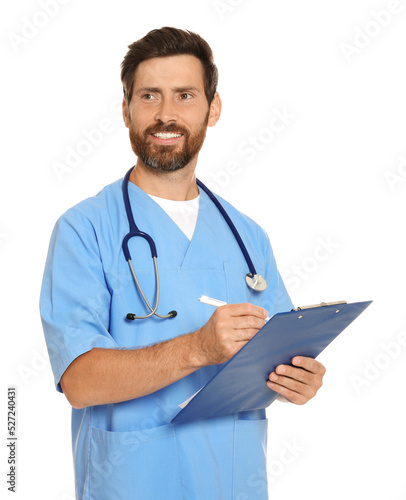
x=179 y=185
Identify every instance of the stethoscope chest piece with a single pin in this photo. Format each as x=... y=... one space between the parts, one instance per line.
x=256 y=282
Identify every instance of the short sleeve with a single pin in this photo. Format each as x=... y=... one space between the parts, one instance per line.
x=75 y=300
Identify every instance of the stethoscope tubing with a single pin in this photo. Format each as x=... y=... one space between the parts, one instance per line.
x=134 y=232
x=230 y=225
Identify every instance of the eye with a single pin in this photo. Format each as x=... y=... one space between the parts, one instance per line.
x=148 y=97
x=185 y=96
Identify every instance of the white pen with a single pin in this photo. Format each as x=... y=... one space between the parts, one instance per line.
x=217 y=303
x=212 y=302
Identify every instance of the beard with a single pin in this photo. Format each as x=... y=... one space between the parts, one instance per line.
x=171 y=157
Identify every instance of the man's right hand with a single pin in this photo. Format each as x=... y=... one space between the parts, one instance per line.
x=227 y=331
x=105 y=376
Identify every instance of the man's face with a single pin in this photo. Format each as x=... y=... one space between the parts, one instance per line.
x=169 y=113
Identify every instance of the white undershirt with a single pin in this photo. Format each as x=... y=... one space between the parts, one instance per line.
x=183 y=213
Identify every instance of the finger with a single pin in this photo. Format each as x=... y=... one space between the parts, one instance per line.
x=292 y=384
x=289 y=394
x=309 y=364
x=247 y=322
x=298 y=374
x=244 y=335
x=246 y=309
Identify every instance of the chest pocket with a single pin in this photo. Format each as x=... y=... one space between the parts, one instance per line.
x=237 y=289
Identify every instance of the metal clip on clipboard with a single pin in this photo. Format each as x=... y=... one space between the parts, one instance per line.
x=320 y=305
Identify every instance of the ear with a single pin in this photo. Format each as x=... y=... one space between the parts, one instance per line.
x=126 y=114
x=215 y=110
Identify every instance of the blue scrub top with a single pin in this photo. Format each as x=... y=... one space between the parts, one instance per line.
x=130 y=450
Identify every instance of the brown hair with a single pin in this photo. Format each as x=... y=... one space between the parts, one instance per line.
x=167 y=42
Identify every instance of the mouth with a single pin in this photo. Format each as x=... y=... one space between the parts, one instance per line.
x=166 y=137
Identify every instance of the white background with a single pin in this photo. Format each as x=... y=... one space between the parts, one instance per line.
x=334 y=174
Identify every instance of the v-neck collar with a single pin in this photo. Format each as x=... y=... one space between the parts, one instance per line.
x=147 y=206
x=173 y=246
x=169 y=239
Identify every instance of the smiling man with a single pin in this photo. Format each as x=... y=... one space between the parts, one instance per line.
x=125 y=374
x=147 y=106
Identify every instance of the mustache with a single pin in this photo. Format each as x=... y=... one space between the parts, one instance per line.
x=172 y=127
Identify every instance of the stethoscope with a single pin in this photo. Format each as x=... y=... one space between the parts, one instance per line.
x=253 y=279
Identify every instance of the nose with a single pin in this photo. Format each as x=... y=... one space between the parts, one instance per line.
x=166 y=112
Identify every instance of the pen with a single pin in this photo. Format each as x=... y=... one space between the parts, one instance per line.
x=212 y=302
x=217 y=303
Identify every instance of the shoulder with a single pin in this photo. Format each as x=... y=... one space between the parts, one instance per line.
x=245 y=224
x=95 y=210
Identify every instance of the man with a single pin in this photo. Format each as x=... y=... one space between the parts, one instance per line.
x=123 y=378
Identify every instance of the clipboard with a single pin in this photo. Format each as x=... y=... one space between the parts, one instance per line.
x=240 y=385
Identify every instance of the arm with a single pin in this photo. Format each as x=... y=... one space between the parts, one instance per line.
x=103 y=376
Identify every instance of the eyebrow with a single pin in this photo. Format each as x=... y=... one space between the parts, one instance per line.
x=174 y=89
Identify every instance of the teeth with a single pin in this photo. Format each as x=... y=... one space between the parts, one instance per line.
x=166 y=135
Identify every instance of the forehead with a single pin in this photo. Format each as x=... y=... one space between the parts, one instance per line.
x=174 y=71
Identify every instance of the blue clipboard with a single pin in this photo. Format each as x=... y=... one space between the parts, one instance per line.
x=240 y=384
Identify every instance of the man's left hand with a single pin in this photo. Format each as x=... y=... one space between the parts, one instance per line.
x=298 y=383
